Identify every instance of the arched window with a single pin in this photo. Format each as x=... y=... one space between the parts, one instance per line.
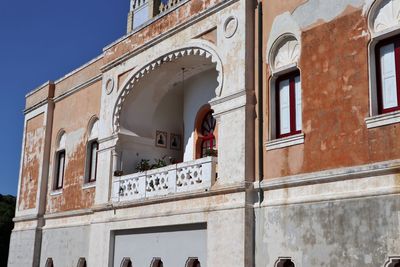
x=60 y=161
x=126 y=262
x=49 y=262
x=206 y=133
x=193 y=262
x=156 y=262
x=284 y=262
x=81 y=262
x=285 y=89
x=384 y=59
x=92 y=151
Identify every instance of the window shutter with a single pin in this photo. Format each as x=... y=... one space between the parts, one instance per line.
x=284 y=107
x=298 y=103
x=388 y=74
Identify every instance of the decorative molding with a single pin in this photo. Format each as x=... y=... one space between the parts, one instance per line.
x=199 y=49
x=230 y=26
x=375 y=169
x=287 y=52
x=386 y=15
x=109 y=86
x=383 y=120
x=285 y=142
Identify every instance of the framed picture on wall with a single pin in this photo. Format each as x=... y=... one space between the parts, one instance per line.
x=161 y=139
x=175 y=142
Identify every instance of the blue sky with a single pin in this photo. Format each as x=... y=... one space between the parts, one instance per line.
x=40 y=41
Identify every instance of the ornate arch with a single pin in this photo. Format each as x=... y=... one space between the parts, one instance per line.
x=285 y=51
x=196 y=48
x=383 y=15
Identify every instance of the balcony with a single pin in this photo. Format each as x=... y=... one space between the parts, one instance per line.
x=197 y=175
x=143 y=11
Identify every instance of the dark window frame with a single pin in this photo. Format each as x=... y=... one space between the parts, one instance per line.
x=60 y=153
x=91 y=144
x=396 y=41
x=292 y=103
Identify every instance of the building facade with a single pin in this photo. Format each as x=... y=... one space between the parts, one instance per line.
x=220 y=133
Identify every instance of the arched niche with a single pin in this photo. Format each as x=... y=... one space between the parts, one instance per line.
x=384 y=16
x=284 y=53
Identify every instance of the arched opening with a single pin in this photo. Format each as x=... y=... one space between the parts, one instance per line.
x=193 y=262
x=285 y=262
x=156 y=118
x=82 y=262
x=59 y=160
x=126 y=262
x=393 y=262
x=205 y=133
x=49 y=262
x=157 y=262
x=285 y=88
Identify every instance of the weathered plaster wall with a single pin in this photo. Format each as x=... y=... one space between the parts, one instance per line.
x=162 y=25
x=32 y=154
x=334 y=73
x=65 y=246
x=350 y=232
x=79 y=76
x=143 y=245
x=22 y=248
x=72 y=114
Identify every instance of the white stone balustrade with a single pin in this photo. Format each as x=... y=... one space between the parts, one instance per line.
x=165 y=6
x=178 y=178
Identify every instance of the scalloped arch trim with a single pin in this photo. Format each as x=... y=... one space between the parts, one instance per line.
x=202 y=51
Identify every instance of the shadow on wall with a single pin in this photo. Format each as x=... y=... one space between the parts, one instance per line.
x=7 y=212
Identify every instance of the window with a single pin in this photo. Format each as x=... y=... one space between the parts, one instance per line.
x=288 y=105
x=156 y=262
x=60 y=169
x=92 y=153
x=49 y=262
x=388 y=74
x=126 y=262
x=82 y=262
x=93 y=149
x=285 y=262
x=60 y=162
x=285 y=93
x=205 y=133
x=192 y=262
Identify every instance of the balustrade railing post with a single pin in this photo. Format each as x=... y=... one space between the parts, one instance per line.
x=172 y=180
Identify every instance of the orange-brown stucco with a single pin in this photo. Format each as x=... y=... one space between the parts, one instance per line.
x=157 y=28
x=72 y=115
x=335 y=93
x=32 y=158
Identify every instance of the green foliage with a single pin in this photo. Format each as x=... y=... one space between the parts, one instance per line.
x=7 y=212
x=143 y=165
x=159 y=163
x=211 y=153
